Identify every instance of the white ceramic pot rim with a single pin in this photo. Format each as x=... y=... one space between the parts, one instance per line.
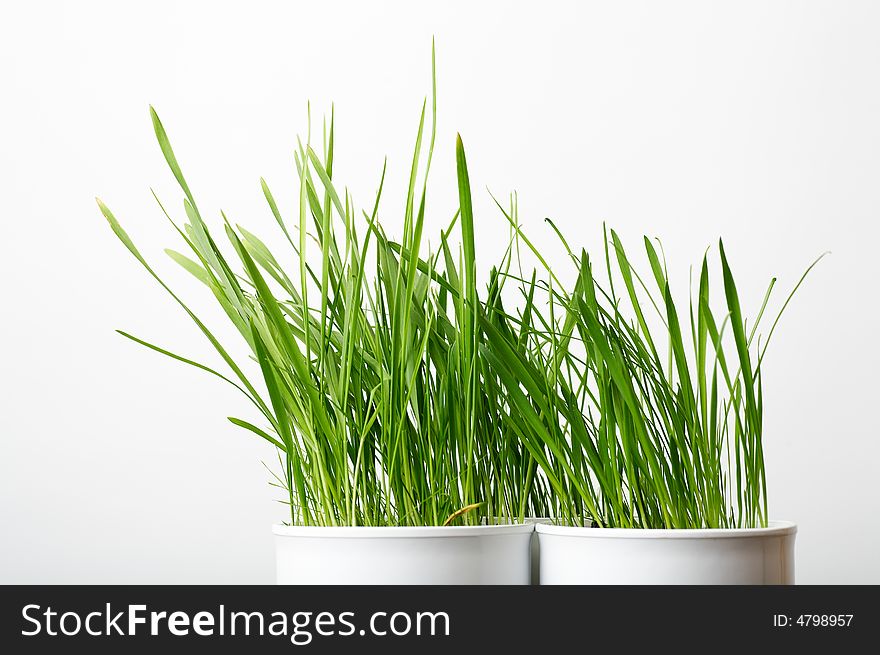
x=774 y=529
x=400 y=532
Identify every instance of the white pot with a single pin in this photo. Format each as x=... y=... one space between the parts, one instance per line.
x=479 y=554
x=570 y=555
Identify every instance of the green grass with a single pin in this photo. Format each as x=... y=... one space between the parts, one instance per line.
x=641 y=415
x=365 y=363
x=396 y=391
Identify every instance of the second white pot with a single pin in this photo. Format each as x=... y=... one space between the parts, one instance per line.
x=483 y=554
x=570 y=555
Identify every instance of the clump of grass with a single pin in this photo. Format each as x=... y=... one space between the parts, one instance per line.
x=368 y=350
x=395 y=393
x=647 y=418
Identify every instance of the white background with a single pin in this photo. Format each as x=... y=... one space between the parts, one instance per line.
x=756 y=121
